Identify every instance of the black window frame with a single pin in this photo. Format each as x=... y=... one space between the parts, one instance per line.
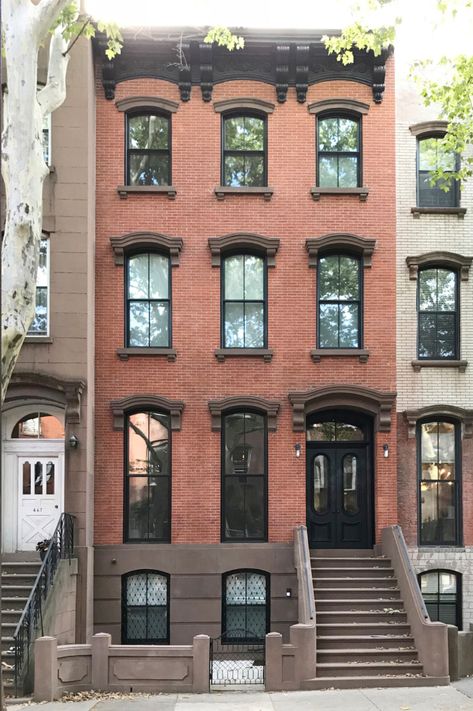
x=133 y=113
x=457 y=321
x=458 y=482
x=126 y=496
x=247 y=640
x=124 y=580
x=237 y=113
x=357 y=118
x=233 y=539
x=135 y=253
x=458 y=595
x=223 y=301
x=456 y=184
x=360 y=301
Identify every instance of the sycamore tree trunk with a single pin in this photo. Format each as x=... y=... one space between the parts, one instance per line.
x=25 y=28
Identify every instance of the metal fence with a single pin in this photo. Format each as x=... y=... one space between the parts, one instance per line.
x=237 y=657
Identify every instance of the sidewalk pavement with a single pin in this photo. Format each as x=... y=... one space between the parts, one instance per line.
x=458 y=697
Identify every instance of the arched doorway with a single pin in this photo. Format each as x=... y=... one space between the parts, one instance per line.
x=33 y=475
x=340 y=508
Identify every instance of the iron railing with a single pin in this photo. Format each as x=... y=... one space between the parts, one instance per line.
x=237 y=657
x=61 y=546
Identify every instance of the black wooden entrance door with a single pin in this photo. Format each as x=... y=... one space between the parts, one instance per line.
x=339 y=495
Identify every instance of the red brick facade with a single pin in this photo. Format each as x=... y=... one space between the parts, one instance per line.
x=196 y=377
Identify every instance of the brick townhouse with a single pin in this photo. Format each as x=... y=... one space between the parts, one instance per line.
x=245 y=327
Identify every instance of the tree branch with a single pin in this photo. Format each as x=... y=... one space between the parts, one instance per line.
x=54 y=93
x=47 y=11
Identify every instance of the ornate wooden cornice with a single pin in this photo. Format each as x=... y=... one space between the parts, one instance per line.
x=379 y=404
x=65 y=392
x=358 y=107
x=437 y=412
x=244 y=402
x=147 y=102
x=426 y=127
x=146 y=240
x=146 y=402
x=244 y=240
x=283 y=59
x=440 y=259
x=340 y=241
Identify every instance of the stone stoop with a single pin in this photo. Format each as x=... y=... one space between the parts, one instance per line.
x=363 y=634
x=18 y=576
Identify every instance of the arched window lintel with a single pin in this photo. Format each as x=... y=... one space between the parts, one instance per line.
x=146 y=241
x=439 y=412
x=361 y=246
x=352 y=106
x=450 y=260
x=266 y=246
x=120 y=408
x=147 y=103
x=218 y=408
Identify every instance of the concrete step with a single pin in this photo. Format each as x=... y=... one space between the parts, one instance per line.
x=353 y=572
x=368 y=669
x=23 y=566
x=365 y=641
x=350 y=562
x=370 y=605
x=354 y=582
x=365 y=617
x=322 y=594
x=341 y=552
x=364 y=629
x=11 y=615
x=371 y=682
x=14 y=603
x=13 y=590
x=18 y=579
x=352 y=654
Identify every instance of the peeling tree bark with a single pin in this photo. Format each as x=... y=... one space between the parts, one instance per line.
x=25 y=27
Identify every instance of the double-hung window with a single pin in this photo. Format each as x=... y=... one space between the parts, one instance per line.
x=244 y=301
x=441 y=590
x=338 y=151
x=339 y=292
x=148 y=301
x=148 y=477
x=145 y=607
x=438 y=314
x=431 y=156
x=148 y=149
x=40 y=324
x=244 y=150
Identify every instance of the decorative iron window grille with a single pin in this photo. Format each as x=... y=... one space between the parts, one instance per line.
x=145 y=607
x=245 y=615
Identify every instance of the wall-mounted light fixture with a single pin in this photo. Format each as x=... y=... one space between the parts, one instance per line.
x=288 y=592
x=297 y=449
x=73 y=441
x=386 y=450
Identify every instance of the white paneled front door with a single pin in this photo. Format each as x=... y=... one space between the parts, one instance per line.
x=40 y=493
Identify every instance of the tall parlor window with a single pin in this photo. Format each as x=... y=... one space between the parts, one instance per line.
x=431 y=156
x=438 y=314
x=338 y=151
x=339 y=301
x=244 y=150
x=148 y=475
x=40 y=324
x=441 y=590
x=148 y=301
x=245 y=615
x=148 y=149
x=244 y=301
x=439 y=480
x=145 y=607
x=244 y=485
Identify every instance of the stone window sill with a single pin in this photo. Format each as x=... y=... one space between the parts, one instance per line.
x=317 y=353
x=458 y=211
x=125 y=190
x=39 y=339
x=459 y=364
x=125 y=353
x=361 y=192
x=222 y=190
x=265 y=353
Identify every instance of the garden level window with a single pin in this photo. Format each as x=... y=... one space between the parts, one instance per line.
x=438 y=483
x=148 y=149
x=339 y=301
x=441 y=590
x=431 y=156
x=244 y=478
x=338 y=152
x=40 y=324
x=244 y=151
x=245 y=615
x=244 y=301
x=438 y=314
x=145 y=607
x=148 y=301
x=148 y=478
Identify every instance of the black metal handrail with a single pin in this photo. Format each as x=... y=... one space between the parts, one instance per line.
x=61 y=547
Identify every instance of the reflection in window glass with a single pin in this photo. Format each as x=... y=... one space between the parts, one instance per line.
x=338 y=152
x=40 y=324
x=441 y=595
x=38 y=425
x=432 y=155
x=149 y=155
x=149 y=304
x=438 y=314
x=330 y=431
x=438 y=484
x=321 y=483
x=350 y=490
x=244 y=151
x=244 y=303
x=26 y=478
x=245 y=606
x=145 y=597
x=339 y=302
